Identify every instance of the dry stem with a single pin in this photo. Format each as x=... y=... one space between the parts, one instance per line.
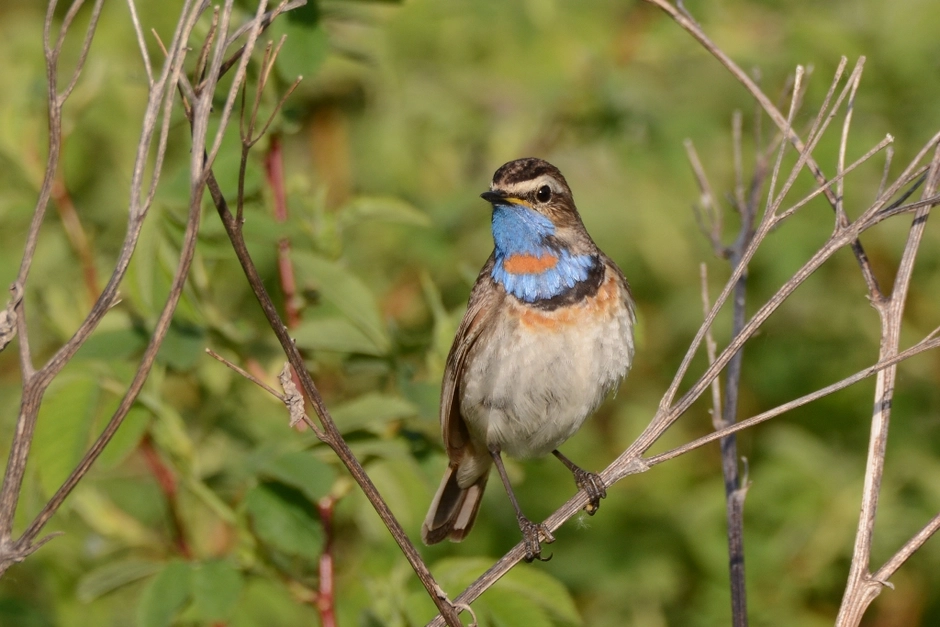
x=150 y=154
x=844 y=234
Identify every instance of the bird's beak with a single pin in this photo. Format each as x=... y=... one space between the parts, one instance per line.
x=502 y=198
x=493 y=197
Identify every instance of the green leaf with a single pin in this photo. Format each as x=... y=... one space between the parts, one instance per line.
x=384 y=209
x=112 y=576
x=165 y=596
x=307 y=15
x=62 y=430
x=304 y=50
x=507 y=609
x=116 y=344
x=283 y=518
x=347 y=293
x=303 y=471
x=401 y=484
x=267 y=602
x=169 y=429
x=334 y=334
x=102 y=515
x=182 y=347
x=543 y=590
x=371 y=411
x=216 y=586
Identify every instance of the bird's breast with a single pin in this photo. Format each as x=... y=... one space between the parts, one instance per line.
x=541 y=373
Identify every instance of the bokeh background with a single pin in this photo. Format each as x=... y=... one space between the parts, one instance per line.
x=405 y=111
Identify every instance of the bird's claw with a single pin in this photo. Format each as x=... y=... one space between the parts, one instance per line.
x=593 y=485
x=533 y=534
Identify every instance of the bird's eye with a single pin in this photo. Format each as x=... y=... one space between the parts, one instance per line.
x=544 y=193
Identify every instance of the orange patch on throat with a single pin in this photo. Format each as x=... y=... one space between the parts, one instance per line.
x=529 y=264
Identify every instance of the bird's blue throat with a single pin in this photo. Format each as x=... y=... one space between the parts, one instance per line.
x=530 y=263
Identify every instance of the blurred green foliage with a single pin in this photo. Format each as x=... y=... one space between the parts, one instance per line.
x=404 y=113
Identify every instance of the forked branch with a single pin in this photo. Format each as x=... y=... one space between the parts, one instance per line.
x=889 y=202
x=150 y=154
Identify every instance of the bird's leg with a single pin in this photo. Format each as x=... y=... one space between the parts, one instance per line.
x=531 y=531
x=588 y=481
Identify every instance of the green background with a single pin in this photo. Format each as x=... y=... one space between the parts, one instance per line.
x=404 y=113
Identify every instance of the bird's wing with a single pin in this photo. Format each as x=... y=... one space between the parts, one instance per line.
x=483 y=305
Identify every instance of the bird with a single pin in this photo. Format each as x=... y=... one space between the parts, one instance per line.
x=547 y=334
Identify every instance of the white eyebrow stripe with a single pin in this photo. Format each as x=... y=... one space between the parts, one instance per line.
x=524 y=187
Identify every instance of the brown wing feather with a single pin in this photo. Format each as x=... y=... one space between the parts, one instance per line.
x=454 y=509
x=483 y=304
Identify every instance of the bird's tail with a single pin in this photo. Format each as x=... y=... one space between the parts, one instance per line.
x=453 y=509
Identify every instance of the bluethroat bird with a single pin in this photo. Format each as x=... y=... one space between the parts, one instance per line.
x=547 y=334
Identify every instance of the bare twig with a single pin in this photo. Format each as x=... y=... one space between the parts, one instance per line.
x=710 y=347
x=35 y=381
x=261 y=384
x=928 y=343
x=707 y=212
x=861 y=588
x=891 y=566
x=684 y=20
x=328 y=432
x=141 y=42
x=639 y=465
x=631 y=461
x=157 y=114
x=331 y=434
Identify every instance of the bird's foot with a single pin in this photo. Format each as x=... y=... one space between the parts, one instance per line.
x=533 y=534
x=593 y=485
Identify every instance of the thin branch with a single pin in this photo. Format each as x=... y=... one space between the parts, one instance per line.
x=683 y=19
x=86 y=44
x=332 y=436
x=200 y=70
x=631 y=461
x=841 y=218
x=836 y=180
x=910 y=547
x=141 y=41
x=158 y=110
x=240 y=73
x=860 y=589
x=928 y=343
x=261 y=384
x=329 y=433
x=737 y=272
x=710 y=348
x=35 y=382
x=707 y=213
x=140 y=377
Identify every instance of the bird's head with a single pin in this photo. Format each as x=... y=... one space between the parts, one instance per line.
x=542 y=247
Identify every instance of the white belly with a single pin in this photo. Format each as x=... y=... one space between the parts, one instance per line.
x=536 y=379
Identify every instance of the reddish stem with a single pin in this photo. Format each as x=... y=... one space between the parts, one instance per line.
x=274 y=170
x=167 y=482
x=76 y=235
x=325 y=596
